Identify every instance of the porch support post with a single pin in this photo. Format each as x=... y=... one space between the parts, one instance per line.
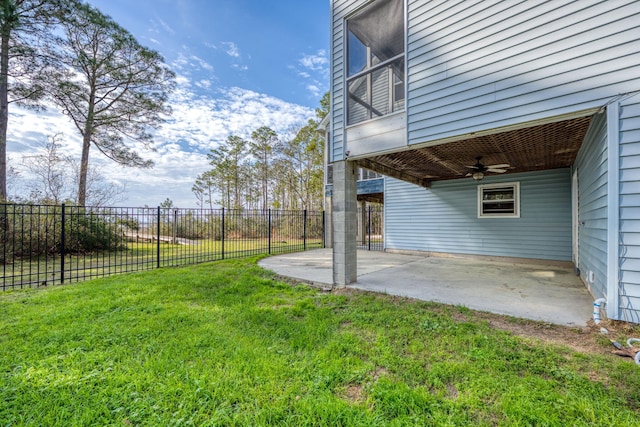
x=613 y=211
x=345 y=222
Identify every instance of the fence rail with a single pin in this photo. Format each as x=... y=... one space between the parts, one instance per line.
x=46 y=245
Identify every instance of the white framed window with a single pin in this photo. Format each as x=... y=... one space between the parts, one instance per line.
x=499 y=200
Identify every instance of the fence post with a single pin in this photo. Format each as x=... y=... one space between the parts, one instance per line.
x=369 y=226
x=175 y=226
x=304 y=229
x=269 y=231
x=62 y=245
x=158 y=240
x=222 y=238
x=324 y=230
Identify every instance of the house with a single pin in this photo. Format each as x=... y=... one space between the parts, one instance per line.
x=505 y=129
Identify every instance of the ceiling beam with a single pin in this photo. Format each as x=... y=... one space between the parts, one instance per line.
x=393 y=173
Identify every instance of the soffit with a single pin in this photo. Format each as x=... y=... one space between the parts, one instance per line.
x=547 y=146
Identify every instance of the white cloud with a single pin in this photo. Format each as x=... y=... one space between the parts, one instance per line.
x=318 y=61
x=201 y=63
x=314 y=71
x=315 y=90
x=166 y=26
x=203 y=84
x=199 y=123
x=231 y=49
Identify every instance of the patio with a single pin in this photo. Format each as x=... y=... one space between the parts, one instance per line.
x=545 y=292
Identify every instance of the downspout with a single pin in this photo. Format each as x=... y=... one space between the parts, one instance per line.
x=597 y=307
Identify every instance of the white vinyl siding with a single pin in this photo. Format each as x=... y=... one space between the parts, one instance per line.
x=444 y=218
x=629 y=283
x=477 y=65
x=591 y=165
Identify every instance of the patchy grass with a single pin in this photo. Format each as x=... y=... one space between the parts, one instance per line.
x=225 y=344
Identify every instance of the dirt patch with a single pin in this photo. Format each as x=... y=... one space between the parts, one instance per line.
x=353 y=393
x=589 y=339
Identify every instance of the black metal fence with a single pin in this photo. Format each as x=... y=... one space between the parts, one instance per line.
x=47 y=245
x=370 y=234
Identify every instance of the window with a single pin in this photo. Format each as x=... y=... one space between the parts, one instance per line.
x=364 y=174
x=499 y=200
x=375 y=61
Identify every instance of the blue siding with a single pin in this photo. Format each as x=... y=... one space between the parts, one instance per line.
x=480 y=65
x=629 y=280
x=444 y=218
x=340 y=9
x=367 y=186
x=591 y=166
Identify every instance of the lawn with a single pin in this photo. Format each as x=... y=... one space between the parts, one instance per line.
x=227 y=344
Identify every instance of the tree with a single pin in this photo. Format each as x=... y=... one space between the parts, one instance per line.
x=204 y=189
x=304 y=159
x=49 y=170
x=229 y=172
x=53 y=178
x=114 y=90
x=263 y=146
x=167 y=204
x=25 y=30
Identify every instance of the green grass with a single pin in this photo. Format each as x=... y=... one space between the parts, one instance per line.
x=226 y=344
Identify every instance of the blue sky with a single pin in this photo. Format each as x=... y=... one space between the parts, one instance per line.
x=240 y=64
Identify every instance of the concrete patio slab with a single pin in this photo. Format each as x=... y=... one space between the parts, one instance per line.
x=547 y=293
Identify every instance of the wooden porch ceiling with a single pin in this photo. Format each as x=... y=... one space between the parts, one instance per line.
x=547 y=146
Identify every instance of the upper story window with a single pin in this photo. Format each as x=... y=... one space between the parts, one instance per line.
x=375 y=61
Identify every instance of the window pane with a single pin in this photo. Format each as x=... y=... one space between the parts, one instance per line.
x=357 y=55
x=358 y=104
x=381 y=28
x=498 y=193
x=498 y=207
x=380 y=91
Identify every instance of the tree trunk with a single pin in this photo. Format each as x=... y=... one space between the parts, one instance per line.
x=86 y=145
x=4 y=110
x=84 y=168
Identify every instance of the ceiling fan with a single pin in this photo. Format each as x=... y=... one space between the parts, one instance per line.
x=478 y=170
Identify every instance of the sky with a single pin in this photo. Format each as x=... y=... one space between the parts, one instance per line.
x=240 y=64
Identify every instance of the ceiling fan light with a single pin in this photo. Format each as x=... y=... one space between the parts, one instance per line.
x=478 y=176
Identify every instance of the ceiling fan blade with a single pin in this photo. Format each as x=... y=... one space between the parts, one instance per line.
x=496 y=170
x=500 y=166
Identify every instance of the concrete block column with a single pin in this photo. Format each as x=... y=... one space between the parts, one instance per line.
x=344 y=223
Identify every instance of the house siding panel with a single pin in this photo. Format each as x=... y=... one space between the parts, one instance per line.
x=591 y=166
x=475 y=66
x=340 y=10
x=629 y=280
x=444 y=218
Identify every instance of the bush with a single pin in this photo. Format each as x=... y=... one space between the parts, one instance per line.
x=35 y=230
